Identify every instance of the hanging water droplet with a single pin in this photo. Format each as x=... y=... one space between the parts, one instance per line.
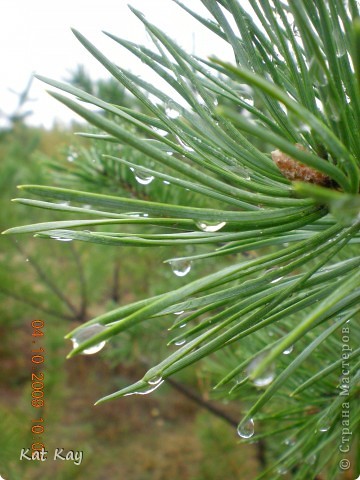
x=324 y=424
x=180 y=342
x=317 y=72
x=199 y=98
x=184 y=145
x=210 y=226
x=339 y=43
x=180 y=267
x=319 y=105
x=276 y=279
x=166 y=182
x=182 y=319
x=141 y=176
x=290 y=442
x=72 y=155
x=266 y=377
x=333 y=108
x=159 y=131
x=61 y=239
x=171 y=110
x=240 y=171
x=247 y=429
x=288 y=350
x=282 y=470
x=147 y=391
x=85 y=334
x=300 y=125
x=324 y=427
x=155 y=380
x=311 y=459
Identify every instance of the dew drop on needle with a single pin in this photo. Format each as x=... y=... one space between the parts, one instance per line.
x=180 y=267
x=247 y=429
x=141 y=176
x=85 y=334
x=210 y=226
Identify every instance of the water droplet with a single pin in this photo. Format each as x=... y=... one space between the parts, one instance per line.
x=311 y=459
x=266 y=377
x=181 y=320
x=180 y=342
x=180 y=267
x=62 y=239
x=288 y=350
x=179 y=313
x=301 y=126
x=333 y=108
x=246 y=430
x=171 y=110
x=324 y=424
x=72 y=155
x=160 y=131
x=147 y=391
x=64 y=204
x=240 y=171
x=199 y=98
x=290 y=442
x=85 y=334
x=27 y=260
x=210 y=226
x=282 y=470
x=155 y=380
x=141 y=176
x=184 y=145
x=166 y=182
x=276 y=279
x=340 y=43
x=317 y=72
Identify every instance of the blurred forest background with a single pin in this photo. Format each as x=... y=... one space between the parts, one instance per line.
x=178 y=432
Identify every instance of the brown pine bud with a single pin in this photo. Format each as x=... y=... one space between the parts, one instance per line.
x=295 y=170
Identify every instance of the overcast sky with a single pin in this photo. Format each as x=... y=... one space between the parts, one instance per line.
x=35 y=37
